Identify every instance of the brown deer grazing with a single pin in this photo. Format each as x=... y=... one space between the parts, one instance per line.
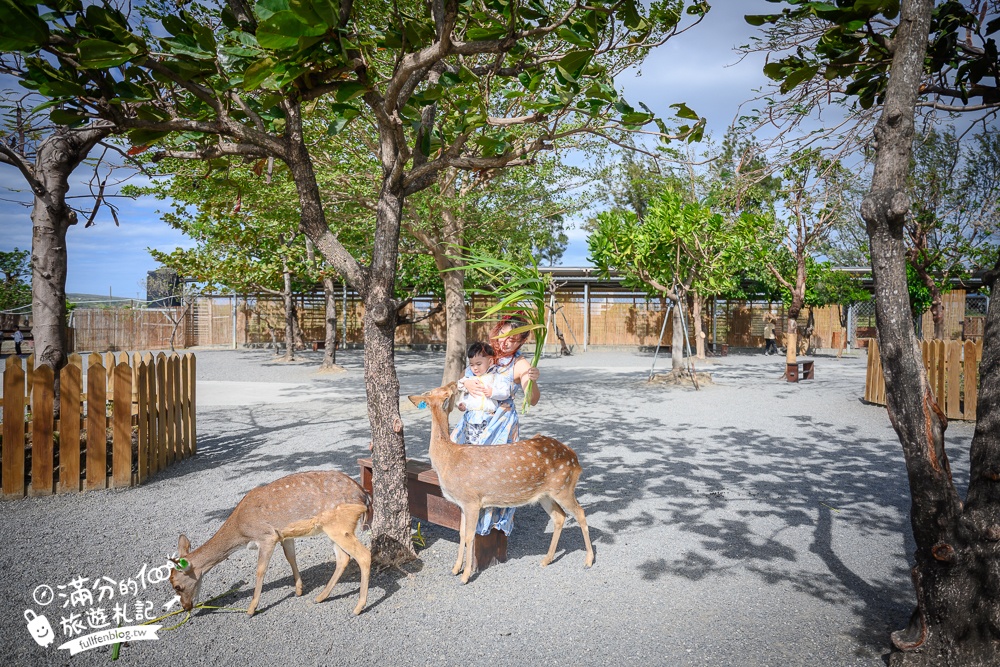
x=299 y=505
x=538 y=470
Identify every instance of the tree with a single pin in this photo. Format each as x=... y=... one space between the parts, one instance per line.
x=838 y=288
x=46 y=156
x=515 y=215
x=815 y=193
x=445 y=83
x=677 y=248
x=954 y=225
x=955 y=619
x=15 y=291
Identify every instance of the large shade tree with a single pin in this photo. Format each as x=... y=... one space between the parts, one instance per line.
x=445 y=83
x=904 y=56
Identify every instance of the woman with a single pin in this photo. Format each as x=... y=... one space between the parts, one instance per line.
x=503 y=427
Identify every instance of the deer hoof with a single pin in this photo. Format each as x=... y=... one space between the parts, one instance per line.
x=465 y=579
x=546 y=561
x=456 y=569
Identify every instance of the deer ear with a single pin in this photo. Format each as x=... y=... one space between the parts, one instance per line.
x=417 y=400
x=183 y=546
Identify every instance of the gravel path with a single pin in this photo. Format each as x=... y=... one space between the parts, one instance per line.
x=752 y=523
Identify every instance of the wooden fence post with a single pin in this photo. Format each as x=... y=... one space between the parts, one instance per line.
x=42 y=453
x=175 y=381
x=954 y=370
x=971 y=370
x=142 y=416
x=121 y=424
x=70 y=381
x=97 y=426
x=185 y=408
x=166 y=456
x=13 y=428
x=154 y=441
x=192 y=405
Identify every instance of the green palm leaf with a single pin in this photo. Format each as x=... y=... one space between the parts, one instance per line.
x=519 y=290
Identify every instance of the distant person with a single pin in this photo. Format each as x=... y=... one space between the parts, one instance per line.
x=18 y=339
x=770 y=344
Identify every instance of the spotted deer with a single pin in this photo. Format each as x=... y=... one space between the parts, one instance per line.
x=299 y=505
x=538 y=470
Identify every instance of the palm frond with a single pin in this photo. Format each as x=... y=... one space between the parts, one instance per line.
x=519 y=290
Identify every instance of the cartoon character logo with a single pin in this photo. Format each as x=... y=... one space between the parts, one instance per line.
x=39 y=628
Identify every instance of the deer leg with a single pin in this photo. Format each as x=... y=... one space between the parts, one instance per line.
x=558 y=517
x=266 y=549
x=341 y=531
x=342 y=560
x=469 y=524
x=288 y=546
x=461 y=544
x=573 y=506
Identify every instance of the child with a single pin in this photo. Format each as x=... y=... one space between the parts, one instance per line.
x=478 y=410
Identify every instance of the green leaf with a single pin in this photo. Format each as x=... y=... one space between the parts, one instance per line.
x=476 y=34
x=20 y=27
x=342 y=115
x=348 y=91
x=257 y=73
x=631 y=17
x=684 y=111
x=265 y=9
x=575 y=38
x=64 y=117
x=798 y=76
x=99 y=54
x=573 y=63
x=283 y=29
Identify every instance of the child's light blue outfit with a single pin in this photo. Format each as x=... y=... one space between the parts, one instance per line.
x=499 y=428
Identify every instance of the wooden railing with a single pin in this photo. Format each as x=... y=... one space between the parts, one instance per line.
x=952 y=371
x=132 y=418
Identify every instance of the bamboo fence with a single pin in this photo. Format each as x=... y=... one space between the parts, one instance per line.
x=952 y=371
x=141 y=410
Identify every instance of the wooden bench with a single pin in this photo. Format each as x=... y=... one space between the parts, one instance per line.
x=428 y=503
x=801 y=369
x=318 y=345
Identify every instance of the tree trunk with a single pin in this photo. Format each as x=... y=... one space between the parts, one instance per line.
x=391 y=540
x=699 y=336
x=51 y=218
x=455 y=317
x=330 y=346
x=286 y=295
x=937 y=312
x=792 y=329
x=937 y=302
x=677 y=338
x=955 y=571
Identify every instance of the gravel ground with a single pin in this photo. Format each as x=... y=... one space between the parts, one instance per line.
x=751 y=523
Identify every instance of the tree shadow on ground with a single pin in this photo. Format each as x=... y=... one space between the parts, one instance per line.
x=737 y=493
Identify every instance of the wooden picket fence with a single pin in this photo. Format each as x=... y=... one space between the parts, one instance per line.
x=952 y=370
x=146 y=405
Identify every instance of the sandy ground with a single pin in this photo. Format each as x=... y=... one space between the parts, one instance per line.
x=754 y=522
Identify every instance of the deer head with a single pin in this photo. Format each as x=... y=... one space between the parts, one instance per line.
x=185 y=581
x=442 y=397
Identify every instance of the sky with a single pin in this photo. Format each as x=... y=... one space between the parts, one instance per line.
x=700 y=68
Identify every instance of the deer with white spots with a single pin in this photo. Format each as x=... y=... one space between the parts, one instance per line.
x=299 y=505
x=538 y=470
